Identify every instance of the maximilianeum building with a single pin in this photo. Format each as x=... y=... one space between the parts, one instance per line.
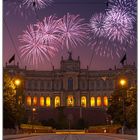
x=82 y=92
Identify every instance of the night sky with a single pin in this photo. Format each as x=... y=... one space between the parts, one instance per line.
x=85 y=8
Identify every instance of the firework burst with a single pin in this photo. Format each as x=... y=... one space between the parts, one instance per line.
x=49 y=29
x=25 y=7
x=118 y=25
x=38 y=4
x=128 y=6
x=73 y=31
x=34 y=50
x=97 y=24
x=111 y=33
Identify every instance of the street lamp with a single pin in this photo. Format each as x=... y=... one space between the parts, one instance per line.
x=123 y=83
x=33 y=111
x=17 y=82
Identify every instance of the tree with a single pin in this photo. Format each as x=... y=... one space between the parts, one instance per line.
x=122 y=98
x=116 y=107
x=12 y=111
x=131 y=109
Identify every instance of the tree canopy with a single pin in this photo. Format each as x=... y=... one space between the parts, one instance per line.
x=123 y=107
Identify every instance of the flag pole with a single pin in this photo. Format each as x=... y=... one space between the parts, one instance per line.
x=14 y=62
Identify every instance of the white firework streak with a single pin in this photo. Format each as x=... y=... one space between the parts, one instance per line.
x=49 y=29
x=102 y=46
x=38 y=4
x=97 y=24
x=129 y=6
x=34 y=51
x=118 y=25
x=73 y=31
x=101 y=39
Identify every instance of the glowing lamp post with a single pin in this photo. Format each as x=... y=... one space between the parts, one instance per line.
x=17 y=83
x=123 y=83
x=33 y=111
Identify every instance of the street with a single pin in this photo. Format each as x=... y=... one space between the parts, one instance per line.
x=77 y=137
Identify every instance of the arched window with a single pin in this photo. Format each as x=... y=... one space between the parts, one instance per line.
x=41 y=101
x=35 y=101
x=99 y=101
x=70 y=100
x=29 y=101
x=19 y=100
x=57 y=101
x=83 y=101
x=92 y=101
x=70 y=84
x=105 y=101
x=48 y=101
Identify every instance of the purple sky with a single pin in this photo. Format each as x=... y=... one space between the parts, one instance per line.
x=17 y=24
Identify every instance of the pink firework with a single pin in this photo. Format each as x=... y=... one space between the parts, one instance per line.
x=25 y=7
x=129 y=6
x=38 y=4
x=97 y=24
x=109 y=36
x=49 y=29
x=118 y=25
x=33 y=49
x=73 y=31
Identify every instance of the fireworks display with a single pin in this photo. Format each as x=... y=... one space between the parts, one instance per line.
x=97 y=23
x=128 y=6
x=109 y=33
x=34 y=51
x=118 y=25
x=49 y=29
x=38 y=4
x=73 y=31
x=25 y=8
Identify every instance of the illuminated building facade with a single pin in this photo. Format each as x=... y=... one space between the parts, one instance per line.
x=71 y=86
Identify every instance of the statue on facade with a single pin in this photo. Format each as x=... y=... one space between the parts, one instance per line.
x=70 y=55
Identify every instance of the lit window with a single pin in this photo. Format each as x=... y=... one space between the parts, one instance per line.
x=35 y=101
x=48 y=101
x=98 y=101
x=57 y=101
x=20 y=100
x=70 y=101
x=92 y=101
x=41 y=101
x=105 y=101
x=28 y=101
x=83 y=101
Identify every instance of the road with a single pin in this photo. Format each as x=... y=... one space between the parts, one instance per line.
x=77 y=137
